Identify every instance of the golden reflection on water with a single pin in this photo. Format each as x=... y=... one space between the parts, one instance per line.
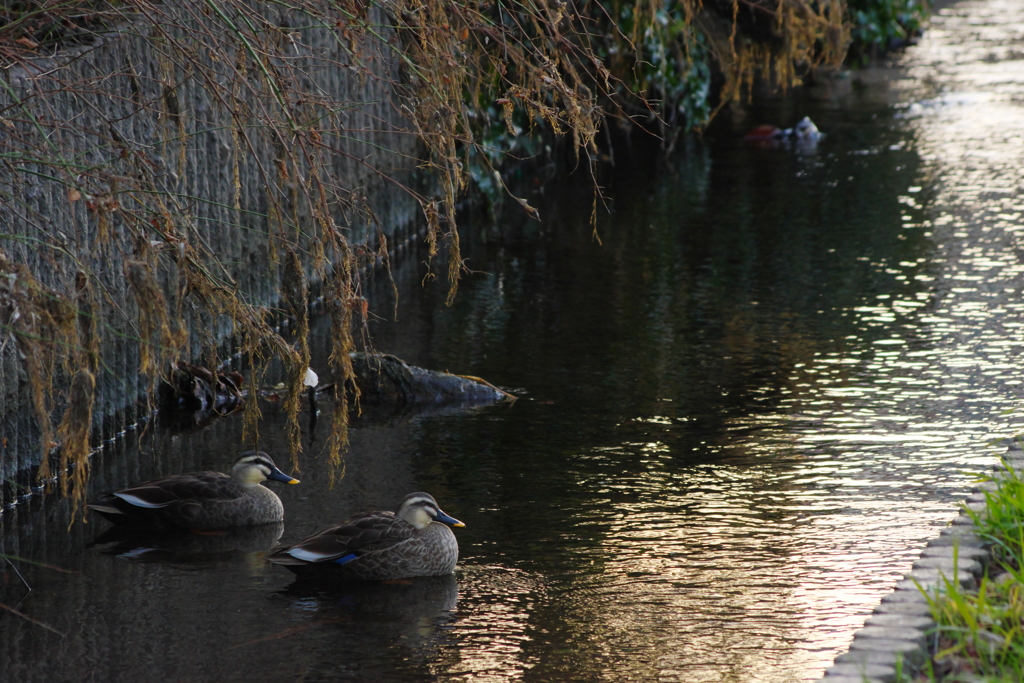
x=723 y=573
x=495 y=631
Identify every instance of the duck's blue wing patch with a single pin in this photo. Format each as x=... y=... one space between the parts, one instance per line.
x=345 y=558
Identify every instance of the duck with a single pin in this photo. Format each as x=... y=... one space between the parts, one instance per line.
x=200 y=500
x=379 y=545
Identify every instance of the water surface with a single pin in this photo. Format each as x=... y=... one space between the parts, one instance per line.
x=741 y=415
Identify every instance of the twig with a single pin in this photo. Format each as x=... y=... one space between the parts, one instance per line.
x=34 y=621
x=15 y=568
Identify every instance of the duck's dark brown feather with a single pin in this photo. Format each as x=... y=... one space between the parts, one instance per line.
x=199 y=500
x=357 y=535
x=197 y=486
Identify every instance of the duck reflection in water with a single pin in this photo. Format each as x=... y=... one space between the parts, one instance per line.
x=188 y=547
x=407 y=620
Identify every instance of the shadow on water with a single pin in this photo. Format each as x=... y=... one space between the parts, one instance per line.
x=741 y=413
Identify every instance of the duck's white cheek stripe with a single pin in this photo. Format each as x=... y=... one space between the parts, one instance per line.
x=138 y=502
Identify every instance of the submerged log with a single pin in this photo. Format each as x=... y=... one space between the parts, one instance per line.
x=386 y=380
x=190 y=397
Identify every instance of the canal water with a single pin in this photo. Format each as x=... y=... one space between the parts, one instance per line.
x=741 y=414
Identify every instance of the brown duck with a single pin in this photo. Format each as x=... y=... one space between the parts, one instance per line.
x=379 y=545
x=200 y=500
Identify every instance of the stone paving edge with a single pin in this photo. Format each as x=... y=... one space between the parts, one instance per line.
x=897 y=632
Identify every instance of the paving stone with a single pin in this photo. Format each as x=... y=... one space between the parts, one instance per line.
x=926 y=573
x=883 y=671
x=929 y=578
x=964 y=530
x=892 y=633
x=913 y=655
x=969 y=552
x=869 y=657
x=901 y=620
x=844 y=678
x=947 y=563
x=911 y=596
x=910 y=608
x=904 y=647
x=963 y=538
x=929 y=585
x=931 y=582
x=962 y=520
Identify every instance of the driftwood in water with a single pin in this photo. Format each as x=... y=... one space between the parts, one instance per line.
x=386 y=380
x=190 y=396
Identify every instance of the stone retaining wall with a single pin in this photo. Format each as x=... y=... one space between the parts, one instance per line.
x=90 y=136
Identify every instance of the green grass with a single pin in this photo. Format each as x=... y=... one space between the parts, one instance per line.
x=980 y=633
